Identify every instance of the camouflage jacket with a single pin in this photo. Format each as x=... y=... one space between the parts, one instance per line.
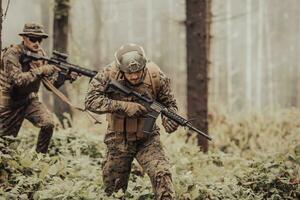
x=16 y=79
x=97 y=101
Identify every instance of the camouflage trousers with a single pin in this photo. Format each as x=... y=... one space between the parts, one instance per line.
x=11 y=119
x=149 y=154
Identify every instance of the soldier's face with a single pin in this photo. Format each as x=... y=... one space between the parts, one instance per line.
x=134 y=78
x=32 y=43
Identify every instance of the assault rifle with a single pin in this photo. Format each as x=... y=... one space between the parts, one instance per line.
x=59 y=60
x=154 y=107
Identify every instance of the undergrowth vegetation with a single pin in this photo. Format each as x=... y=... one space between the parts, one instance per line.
x=251 y=157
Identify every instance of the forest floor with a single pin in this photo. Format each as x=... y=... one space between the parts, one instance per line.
x=255 y=156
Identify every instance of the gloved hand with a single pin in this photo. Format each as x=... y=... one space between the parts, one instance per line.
x=73 y=76
x=169 y=125
x=133 y=109
x=46 y=70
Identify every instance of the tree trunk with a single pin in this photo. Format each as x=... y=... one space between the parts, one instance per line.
x=97 y=40
x=198 y=35
x=60 y=43
x=1 y=18
x=46 y=95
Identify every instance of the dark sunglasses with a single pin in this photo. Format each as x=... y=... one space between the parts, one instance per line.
x=35 y=39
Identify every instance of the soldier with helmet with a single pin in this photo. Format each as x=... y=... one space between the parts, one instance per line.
x=19 y=85
x=125 y=139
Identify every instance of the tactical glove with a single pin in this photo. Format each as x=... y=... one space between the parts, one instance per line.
x=46 y=70
x=73 y=76
x=169 y=125
x=133 y=109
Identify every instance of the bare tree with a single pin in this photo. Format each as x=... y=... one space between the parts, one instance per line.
x=198 y=34
x=60 y=43
x=97 y=39
x=46 y=96
x=1 y=15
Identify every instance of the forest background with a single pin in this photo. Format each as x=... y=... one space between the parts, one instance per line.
x=253 y=98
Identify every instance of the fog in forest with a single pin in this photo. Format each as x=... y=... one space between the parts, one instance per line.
x=254 y=49
x=242 y=58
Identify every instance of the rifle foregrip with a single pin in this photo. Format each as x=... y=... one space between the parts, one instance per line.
x=178 y=119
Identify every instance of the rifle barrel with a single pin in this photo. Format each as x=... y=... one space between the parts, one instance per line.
x=198 y=131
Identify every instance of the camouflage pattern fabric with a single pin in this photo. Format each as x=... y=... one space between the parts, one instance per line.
x=11 y=120
x=16 y=78
x=150 y=155
x=18 y=97
x=123 y=147
x=96 y=101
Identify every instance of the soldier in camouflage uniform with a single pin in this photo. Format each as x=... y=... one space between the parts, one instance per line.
x=19 y=85
x=125 y=139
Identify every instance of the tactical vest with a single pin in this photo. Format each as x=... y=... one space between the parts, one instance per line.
x=132 y=126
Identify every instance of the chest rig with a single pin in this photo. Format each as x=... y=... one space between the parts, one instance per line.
x=132 y=126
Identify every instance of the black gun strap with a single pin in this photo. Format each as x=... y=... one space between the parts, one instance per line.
x=65 y=99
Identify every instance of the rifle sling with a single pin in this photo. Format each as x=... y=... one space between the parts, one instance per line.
x=65 y=99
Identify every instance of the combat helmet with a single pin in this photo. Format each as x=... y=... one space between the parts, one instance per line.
x=130 y=58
